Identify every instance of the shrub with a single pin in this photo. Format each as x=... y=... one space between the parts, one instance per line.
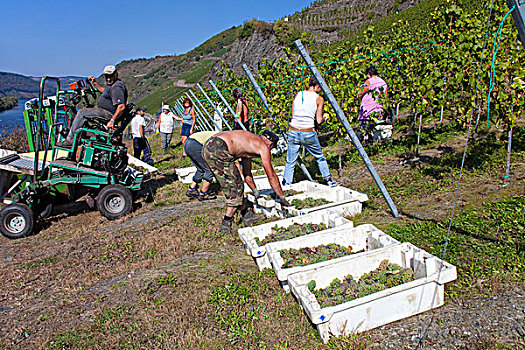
x=14 y=139
x=286 y=33
x=247 y=29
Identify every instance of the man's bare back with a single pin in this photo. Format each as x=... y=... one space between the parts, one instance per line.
x=244 y=144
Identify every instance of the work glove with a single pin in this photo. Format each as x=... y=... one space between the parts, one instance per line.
x=284 y=202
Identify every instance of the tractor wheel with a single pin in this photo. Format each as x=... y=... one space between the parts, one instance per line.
x=16 y=221
x=114 y=201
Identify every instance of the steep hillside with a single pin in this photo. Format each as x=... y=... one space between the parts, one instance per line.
x=143 y=76
x=335 y=20
x=325 y=21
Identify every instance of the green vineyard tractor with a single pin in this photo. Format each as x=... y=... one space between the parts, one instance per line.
x=96 y=166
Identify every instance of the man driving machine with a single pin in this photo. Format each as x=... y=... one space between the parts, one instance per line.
x=110 y=107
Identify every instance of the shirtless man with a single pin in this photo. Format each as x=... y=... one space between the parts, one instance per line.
x=222 y=150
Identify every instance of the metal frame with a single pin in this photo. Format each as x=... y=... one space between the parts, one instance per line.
x=227 y=105
x=214 y=106
x=204 y=109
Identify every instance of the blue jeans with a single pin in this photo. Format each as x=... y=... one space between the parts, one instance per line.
x=310 y=141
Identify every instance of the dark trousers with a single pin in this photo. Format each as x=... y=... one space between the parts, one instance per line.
x=141 y=144
x=193 y=149
x=83 y=115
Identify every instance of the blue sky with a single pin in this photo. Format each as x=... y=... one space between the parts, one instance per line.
x=79 y=37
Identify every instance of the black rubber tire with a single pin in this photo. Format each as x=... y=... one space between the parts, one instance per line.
x=16 y=221
x=114 y=201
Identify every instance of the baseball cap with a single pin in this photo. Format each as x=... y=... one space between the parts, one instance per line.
x=109 y=69
x=271 y=136
x=141 y=109
x=166 y=107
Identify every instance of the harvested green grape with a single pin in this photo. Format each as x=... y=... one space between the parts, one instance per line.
x=287 y=193
x=289 y=232
x=307 y=255
x=386 y=276
x=308 y=203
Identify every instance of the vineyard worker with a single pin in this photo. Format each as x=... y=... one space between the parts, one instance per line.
x=140 y=142
x=188 y=122
x=165 y=127
x=307 y=108
x=193 y=149
x=374 y=86
x=111 y=104
x=222 y=150
x=241 y=112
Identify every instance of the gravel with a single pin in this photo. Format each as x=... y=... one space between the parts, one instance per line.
x=473 y=324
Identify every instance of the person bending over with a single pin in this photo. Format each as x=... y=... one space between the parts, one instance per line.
x=193 y=149
x=307 y=108
x=220 y=153
x=110 y=107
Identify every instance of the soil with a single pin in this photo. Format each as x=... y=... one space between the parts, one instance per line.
x=79 y=265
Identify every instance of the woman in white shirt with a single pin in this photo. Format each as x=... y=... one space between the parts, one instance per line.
x=165 y=127
x=307 y=108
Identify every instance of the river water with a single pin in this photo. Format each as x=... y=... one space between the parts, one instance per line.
x=13 y=117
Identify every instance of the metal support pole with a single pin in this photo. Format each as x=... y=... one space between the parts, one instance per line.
x=269 y=108
x=342 y=118
x=227 y=105
x=204 y=109
x=199 y=114
x=213 y=105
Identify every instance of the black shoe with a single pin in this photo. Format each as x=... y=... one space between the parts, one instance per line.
x=226 y=226
x=64 y=144
x=206 y=196
x=192 y=192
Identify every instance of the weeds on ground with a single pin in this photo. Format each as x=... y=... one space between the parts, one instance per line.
x=252 y=307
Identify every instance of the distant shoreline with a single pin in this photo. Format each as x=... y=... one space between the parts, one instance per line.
x=7 y=103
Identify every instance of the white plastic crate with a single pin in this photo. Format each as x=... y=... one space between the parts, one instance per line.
x=382 y=132
x=248 y=234
x=363 y=237
x=186 y=174
x=303 y=186
x=137 y=162
x=374 y=310
x=261 y=181
x=343 y=200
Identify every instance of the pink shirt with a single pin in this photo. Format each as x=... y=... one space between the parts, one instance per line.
x=368 y=102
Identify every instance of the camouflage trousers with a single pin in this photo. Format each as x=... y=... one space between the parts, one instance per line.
x=222 y=164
